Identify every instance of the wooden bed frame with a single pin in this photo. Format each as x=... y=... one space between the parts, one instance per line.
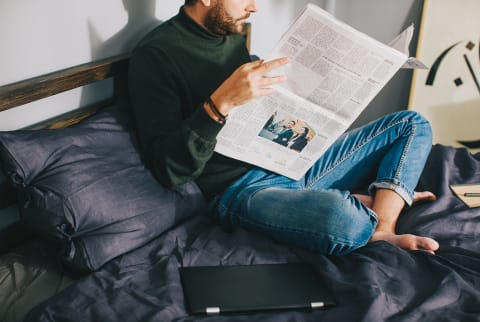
x=36 y=88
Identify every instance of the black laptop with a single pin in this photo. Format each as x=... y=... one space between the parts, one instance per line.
x=250 y=288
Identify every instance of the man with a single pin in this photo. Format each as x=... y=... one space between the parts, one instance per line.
x=284 y=135
x=190 y=72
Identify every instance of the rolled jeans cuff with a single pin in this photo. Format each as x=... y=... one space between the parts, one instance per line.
x=402 y=192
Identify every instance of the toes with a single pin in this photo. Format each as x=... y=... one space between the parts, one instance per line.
x=427 y=244
x=413 y=242
x=423 y=196
x=408 y=241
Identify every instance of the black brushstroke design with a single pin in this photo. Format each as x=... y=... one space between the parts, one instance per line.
x=472 y=72
x=436 y=65
x=433 y=73
x=471 y=144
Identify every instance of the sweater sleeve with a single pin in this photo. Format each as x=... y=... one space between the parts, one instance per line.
x=176 y=140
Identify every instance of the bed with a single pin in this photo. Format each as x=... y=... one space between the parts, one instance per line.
x=100 y=240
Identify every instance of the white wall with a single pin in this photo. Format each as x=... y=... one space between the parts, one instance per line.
x=43 y=36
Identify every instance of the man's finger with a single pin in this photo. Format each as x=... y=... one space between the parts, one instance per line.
x=272 y=64
x=254 y=64
x=265 y=80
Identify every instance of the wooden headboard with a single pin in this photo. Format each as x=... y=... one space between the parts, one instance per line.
x=26 y=91
x=36 y=88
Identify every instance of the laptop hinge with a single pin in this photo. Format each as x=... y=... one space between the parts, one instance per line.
x=212 y=310
x=317 y=305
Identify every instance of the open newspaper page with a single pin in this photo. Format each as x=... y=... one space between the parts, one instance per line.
x=333 y=74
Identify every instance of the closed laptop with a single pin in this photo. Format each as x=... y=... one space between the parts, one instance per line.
x=250 y=288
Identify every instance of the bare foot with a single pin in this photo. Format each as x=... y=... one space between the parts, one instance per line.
x=423 y=196
x=407 y=241
x=417 y=197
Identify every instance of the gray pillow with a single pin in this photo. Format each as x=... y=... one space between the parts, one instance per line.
x=86 y=187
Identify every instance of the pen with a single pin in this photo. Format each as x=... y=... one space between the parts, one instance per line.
x=471 y=194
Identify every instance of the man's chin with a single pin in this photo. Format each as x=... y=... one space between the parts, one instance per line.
x=232 y=29
x=237 y=30
x=240 y=26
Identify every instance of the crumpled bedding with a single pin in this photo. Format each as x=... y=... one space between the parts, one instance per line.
x=378 y=282
x=29 y=275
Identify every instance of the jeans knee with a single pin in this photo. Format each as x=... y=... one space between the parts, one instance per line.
x=346 y=223
x=417 y=120
x=358 y=227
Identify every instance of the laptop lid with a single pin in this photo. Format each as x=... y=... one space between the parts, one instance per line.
x=249 y=288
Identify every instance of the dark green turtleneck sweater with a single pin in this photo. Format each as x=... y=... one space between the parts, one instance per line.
x=171 y=73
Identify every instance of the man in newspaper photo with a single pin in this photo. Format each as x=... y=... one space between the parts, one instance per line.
x=285 y=134
x=189 y=73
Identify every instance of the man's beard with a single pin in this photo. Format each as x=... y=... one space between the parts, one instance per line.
x=219 y=22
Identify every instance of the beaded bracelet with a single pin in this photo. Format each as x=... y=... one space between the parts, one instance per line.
x=221 y=118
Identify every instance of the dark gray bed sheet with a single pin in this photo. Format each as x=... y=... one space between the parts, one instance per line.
x=379 y=282
x=29 y=275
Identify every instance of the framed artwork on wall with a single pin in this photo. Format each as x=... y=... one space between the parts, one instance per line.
x=448 y=93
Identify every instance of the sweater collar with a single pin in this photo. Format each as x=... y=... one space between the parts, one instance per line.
x=195 y=27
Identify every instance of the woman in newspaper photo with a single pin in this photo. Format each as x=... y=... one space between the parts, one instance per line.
x=189 y=73
x=299 y=140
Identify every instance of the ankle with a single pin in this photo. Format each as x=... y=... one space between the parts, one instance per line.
x=386 y=227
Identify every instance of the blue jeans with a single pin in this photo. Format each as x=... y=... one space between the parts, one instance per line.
x=318 y=211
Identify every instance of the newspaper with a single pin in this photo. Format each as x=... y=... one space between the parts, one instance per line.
x=334 y=73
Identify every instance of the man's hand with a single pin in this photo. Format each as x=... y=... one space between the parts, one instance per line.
x=247 y=82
